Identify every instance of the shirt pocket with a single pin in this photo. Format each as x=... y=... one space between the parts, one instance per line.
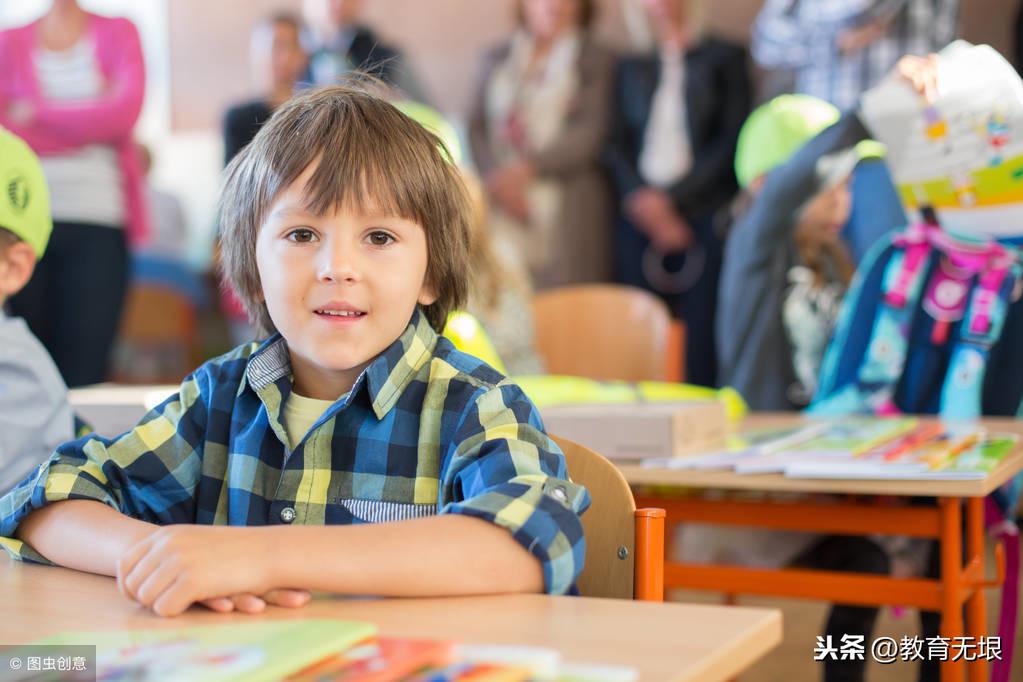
x=379 y=511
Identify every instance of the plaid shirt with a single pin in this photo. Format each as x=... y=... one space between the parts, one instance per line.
x=802 y=35
x=426 y=429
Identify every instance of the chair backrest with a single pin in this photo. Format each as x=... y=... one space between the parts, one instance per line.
x=607 y=332
x=158 y=340
x=618 y=563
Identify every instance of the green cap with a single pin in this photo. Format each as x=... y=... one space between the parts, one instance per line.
x=24 y=201
x=776 y=130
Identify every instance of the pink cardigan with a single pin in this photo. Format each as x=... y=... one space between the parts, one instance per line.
x=64 y=126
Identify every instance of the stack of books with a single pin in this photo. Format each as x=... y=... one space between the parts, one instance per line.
x=860 y=448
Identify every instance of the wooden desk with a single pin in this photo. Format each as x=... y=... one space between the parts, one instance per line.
x=661 y=641
x=962 y=580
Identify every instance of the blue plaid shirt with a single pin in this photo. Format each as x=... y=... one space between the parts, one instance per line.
x=425 y=430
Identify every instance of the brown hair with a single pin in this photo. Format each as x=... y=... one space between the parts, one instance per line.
x=7 y=238
x=366 y=153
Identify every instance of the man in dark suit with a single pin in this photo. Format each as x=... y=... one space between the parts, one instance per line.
x=347 y=45
x=677 y=115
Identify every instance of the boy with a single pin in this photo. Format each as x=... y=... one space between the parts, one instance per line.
x=345 y=232
x=34 y=413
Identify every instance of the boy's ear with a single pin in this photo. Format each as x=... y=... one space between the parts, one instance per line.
x=17 y=262
x=426 y=295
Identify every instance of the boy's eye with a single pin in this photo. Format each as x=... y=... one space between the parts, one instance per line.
x=380 y=238
x=301 y=235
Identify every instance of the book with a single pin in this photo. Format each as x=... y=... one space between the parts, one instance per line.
x=387 y=659
x=958 y=454
x=840 y=439
x=962 y=154
x=250 y=652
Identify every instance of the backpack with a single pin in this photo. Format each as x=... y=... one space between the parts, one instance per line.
x=918 y=328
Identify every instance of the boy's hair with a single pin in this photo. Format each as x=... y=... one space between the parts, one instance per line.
x=7 y=238
x=369 y=154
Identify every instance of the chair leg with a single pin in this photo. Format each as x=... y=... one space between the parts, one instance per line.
x=648 y=583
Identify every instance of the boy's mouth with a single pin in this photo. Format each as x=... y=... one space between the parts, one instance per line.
x=339 y=312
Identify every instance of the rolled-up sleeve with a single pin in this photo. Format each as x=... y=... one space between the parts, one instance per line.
x=506 y=470
x=149 y=473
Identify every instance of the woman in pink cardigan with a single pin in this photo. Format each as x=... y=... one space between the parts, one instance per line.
x=71 y=86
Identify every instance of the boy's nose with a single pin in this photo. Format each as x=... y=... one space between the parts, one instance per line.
x=339 y=265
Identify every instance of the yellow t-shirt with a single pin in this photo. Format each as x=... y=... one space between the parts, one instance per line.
x=300 y=413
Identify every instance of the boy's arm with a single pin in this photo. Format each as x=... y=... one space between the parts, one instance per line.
x=149 y=473
x=176 y=566
x=83 y=534
x=502 y=469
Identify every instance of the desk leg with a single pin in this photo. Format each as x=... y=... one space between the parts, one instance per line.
x=976 y=608
x=951 y=583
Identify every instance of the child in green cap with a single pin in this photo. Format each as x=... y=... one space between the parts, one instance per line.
x=35 y=416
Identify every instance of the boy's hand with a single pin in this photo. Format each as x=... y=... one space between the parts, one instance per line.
x=250 y=603
x=176 y=566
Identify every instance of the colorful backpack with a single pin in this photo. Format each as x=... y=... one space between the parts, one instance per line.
x=926 y=314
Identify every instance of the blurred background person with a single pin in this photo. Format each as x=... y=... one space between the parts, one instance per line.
x=537 y=131
x=345 y=45
x=279 y=61
x=72 y=86
x=839 y=49
x=677 y=115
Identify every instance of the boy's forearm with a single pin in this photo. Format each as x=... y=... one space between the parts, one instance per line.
x=82 y=534
x=437 y=556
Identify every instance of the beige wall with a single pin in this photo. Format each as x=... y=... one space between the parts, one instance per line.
x=442 y=38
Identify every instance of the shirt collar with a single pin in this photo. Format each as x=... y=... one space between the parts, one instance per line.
x=386 y=377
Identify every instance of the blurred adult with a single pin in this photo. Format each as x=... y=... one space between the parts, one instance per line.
x=345 y=44
x=72 y=86
x=279 y=61
x=537 y=132
x=677 y=114
x=837 y=49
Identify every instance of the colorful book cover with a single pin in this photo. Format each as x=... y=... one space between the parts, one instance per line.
x=386 y=659
x=961 y=154
x=250 y=652
x=840 y=439
x=950 y=457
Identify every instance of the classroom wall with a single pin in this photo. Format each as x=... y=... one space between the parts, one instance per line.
x=209 y=50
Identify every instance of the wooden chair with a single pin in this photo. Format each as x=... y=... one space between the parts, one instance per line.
x=607 y=332
x=624 y=545
x=158 y=338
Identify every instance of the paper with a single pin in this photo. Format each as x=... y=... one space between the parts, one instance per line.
x=963 y=154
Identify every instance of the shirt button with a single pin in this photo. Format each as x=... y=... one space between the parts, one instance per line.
x=559 y=494
x=287 y=515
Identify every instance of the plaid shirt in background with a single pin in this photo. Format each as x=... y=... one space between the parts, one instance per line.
x=802 y=35
x=426 y=429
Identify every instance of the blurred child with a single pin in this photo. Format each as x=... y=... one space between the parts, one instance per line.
x=785 y=266
x=35 y=416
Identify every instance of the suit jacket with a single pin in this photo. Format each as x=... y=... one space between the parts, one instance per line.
x=717 y=102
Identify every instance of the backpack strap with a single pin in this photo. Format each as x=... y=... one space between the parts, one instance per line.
x=981 y=328
x=885 y=357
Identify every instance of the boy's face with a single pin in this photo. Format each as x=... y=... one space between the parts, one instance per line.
x=287 y=59
x=340 y=287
